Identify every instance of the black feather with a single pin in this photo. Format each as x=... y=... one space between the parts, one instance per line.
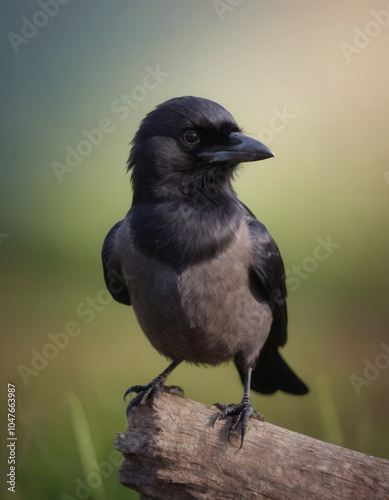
x=112 y=267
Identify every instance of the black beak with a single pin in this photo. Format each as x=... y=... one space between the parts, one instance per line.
x=241 y=148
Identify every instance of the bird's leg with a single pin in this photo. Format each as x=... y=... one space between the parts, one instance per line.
x=151 y=390
x=241 y=411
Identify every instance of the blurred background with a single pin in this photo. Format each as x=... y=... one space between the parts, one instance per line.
x=311 y=82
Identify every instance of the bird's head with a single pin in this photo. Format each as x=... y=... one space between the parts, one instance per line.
x=186 y=145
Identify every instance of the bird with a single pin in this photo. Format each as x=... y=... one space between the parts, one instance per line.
x=205 y=278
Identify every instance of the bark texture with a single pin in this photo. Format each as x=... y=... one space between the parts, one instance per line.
x=172 y=452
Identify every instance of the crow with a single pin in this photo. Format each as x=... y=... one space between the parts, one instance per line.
x=205 y=278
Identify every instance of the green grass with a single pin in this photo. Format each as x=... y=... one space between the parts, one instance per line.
x=86 y=449
x=69 y=414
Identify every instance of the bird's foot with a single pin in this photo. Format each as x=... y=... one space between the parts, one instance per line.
x=241 y=412
x=150 y=391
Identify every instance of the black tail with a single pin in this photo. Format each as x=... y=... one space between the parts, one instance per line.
x=271 y=373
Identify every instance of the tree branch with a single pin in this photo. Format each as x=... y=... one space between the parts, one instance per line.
x=172 y=452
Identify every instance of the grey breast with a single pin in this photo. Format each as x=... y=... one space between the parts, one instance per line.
x=220 y=308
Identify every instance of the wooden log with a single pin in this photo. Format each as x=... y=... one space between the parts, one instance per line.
x=172 y=452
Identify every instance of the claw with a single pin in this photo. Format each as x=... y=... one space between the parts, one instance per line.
x=135 y=388
x=145 y=392
x=241 y=412
x=175 y=390
x=215 y=420
x=151 y=390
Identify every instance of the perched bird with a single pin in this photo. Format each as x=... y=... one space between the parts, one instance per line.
x=204 y=276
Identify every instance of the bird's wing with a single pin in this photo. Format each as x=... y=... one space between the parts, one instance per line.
x=267 y=282
x=267 y=277
x=113 y=273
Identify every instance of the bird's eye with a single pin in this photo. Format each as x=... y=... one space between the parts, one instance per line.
x=190 y=137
